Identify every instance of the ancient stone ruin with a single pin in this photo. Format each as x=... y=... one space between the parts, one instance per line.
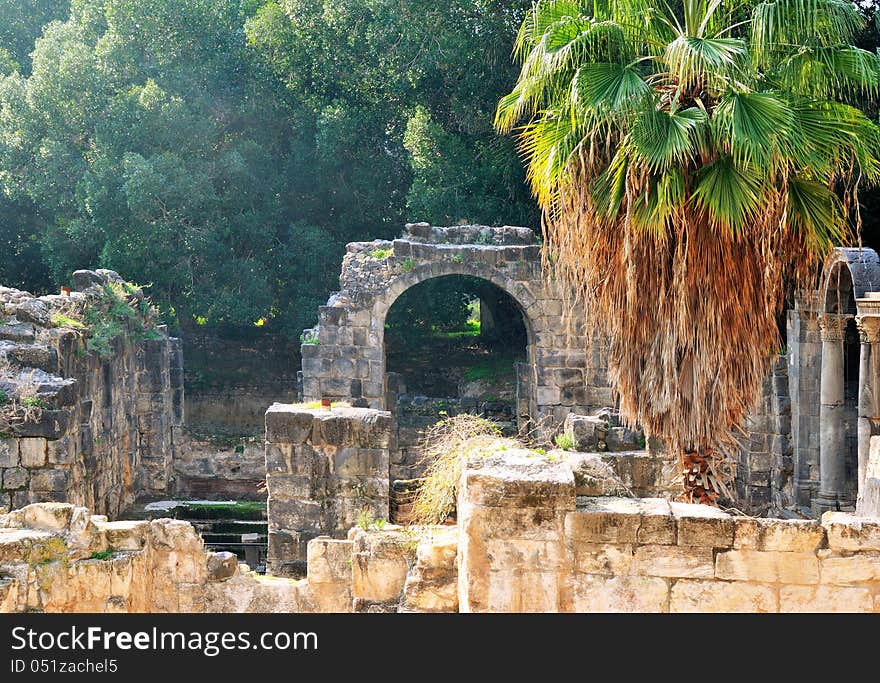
x=94 y=422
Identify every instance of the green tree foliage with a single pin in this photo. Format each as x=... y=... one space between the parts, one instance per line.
x=153 y=142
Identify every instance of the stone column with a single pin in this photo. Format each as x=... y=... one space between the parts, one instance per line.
x=868 y=321
x=832 y=437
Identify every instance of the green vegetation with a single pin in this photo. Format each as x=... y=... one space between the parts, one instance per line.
x=408 y=265
x=492 y=366
x=367 y=522
x=119 y=309
x=226 y=150
x=102 y=554
x=61 y=320
x=4 y=397
x=33 y=402
x=381 y=254
x=565 y=442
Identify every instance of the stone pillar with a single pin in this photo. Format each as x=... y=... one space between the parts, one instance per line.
x=868 y=321
x=804 y=357
x=832 y=437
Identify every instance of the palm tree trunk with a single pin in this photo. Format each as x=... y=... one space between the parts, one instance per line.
x=702 y=476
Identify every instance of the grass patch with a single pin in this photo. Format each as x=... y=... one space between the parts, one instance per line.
x=61 y=320
x=565 y=442
x=494 y=366
x=102 y=555
x=381 y=254
x=33 y=402
x=118 y=310
x=408 y=265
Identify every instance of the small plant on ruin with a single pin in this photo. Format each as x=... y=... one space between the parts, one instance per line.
x=25 y=405
x=101 y=555
x=458 y=258
x=120 y=308
x=408 y=265
x=365 y=519
x=381 y=254
x=59 y=319
x=447 y=445
x=565 y=442
x=33 y=402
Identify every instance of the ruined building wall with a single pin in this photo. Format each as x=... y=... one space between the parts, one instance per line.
x=344 y=356
x=87 y=430
x=324 y=469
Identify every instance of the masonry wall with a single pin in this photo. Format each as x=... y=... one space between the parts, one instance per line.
x=527 y=544
x=100 y=431
x=325 y=468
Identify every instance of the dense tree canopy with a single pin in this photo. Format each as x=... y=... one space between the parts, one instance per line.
x=224 y=151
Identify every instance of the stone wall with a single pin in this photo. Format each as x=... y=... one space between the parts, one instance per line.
x=765 y=466
x=343 y=357
x=325 y=468
x=527 y=543
x=91 y=430
x=59 y=558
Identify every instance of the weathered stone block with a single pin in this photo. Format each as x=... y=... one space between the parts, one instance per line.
x=14 y=478
x=592 y=593
x=755 y=533
x=8 y=452
x=656 y=523
x=32 y=451
x=126 y=535
x=288 y=424
x=379 y=565
x=61 y=451
x=702 y=525
x=849 y=533
x=767 y=567
x=607 y=559
x=824 y=599
x=518 y=479
x=720 y=596
x=49 y=480
x=674 y=561
x=222 y=566
x=604 y=520
x=329 y=560
x=853 y=569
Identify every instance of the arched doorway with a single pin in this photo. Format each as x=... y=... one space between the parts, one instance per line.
x=454 y=344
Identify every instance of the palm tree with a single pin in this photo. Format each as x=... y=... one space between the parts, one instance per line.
x=693 y=160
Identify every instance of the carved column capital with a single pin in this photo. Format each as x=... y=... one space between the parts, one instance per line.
x=869 y=328
x=833 y=327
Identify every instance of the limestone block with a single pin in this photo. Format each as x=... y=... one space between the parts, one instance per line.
x=379 y=565
x=527 y=555
x=285 y=486
x=61 y=451
x=692 y=562
x=221 y=566
x=432 y=582
x=287 y=424
x=329 y=560
x=45 y=515
x=14 y=478
x=656 y=522
x=849 y=533
x=279 y=457
x=521 y=523
x=125 y=535
x=767 y=567
x=592 y=593
x=593 y=476
x=32 y=451
x=607 y=559
x=604 y=520
x=790 y=535
x=352 y=462
x=853 y=569
x=9 y=452
x=518 y=478
x=702 y=525
x=721 y=596
x=824 y=599
x=8 y=595
x=520 y=592
x=49 y=480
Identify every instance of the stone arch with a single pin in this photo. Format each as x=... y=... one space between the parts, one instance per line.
x=849 y=273
x=344 y=356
